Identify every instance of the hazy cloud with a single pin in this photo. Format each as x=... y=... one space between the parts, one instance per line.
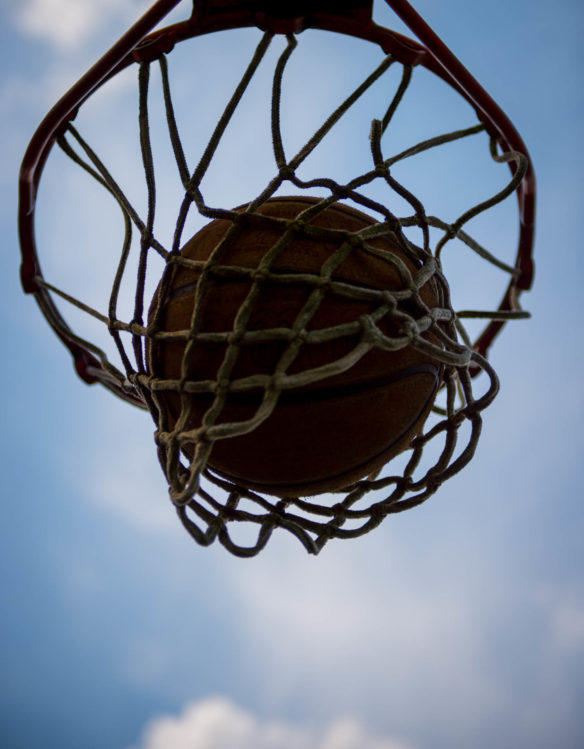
x=564 y=609
x=217 y=723
x=123 y=476
x=63 y=23
x=69 y=23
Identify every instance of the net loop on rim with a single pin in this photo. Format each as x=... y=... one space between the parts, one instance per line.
x=208 y=504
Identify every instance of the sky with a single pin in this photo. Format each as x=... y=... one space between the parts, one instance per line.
x=457 y=625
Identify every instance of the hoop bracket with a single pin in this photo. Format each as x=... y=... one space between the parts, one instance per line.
x=283 y=17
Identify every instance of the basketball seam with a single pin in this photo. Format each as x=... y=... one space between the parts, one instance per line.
x=330 y=392
x=314 y=483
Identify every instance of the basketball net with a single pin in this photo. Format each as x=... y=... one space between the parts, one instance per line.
x=210 y=506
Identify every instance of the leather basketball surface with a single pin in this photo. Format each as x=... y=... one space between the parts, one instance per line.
x=332 y=432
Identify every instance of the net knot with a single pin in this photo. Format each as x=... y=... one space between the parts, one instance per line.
x=370 y=330
x=235 y=337
x=274 y=384
x=260 y=274
x=301 y=335
x=323 y=282
x=339 y=512
x=223 y=386
x=297 y=225
x=409 y=328
x=287 y=172
x=390 y=300
x=202 y=437
x=354 y=240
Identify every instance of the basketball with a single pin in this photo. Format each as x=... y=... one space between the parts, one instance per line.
x=329 y=432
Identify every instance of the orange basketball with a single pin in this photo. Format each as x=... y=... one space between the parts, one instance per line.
x=324 y=435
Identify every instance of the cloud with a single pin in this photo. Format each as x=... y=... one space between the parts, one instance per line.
x=121 y=470
x=569 y=626
x=217 y=723
x=68 y=24
x=422 y=627
x=564 y=610
x=64 y=23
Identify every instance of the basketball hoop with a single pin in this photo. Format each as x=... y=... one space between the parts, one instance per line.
x=300 y=353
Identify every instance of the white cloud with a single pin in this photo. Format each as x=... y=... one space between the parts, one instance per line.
x=217 y=723
x=64 y=23
x=332 y=612
x=569 y=626
x=69 y=24
x=122 y=473
x=565 y=614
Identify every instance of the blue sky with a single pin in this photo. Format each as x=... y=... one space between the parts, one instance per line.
x=459 y=625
